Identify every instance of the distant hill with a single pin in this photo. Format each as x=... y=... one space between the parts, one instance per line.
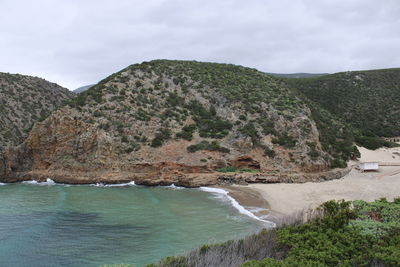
x=82 y=89
x=25 y=100
x=297 y=75
x=368 y=100
x=161 y=121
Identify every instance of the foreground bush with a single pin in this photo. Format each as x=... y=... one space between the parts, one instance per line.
x=341 y=236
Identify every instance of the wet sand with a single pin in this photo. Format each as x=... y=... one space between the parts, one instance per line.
x=250 y=199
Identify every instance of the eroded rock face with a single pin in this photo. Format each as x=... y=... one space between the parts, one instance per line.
x=156 y=127
x=246 y=162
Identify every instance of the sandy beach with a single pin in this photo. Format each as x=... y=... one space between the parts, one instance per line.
x=289 y=199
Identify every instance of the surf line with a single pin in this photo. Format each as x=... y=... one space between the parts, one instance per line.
x=235 y=204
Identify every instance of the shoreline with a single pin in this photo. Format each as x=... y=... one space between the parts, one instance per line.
x=276 y=202
x=245 y=200
x=294 y=199
x=291 y=200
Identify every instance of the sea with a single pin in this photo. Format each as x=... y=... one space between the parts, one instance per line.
x=48 y=224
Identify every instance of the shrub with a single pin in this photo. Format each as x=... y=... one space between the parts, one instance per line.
x=187 y=132
x=133 y=147
x=338 y=163
x=269 y=152
x=161 y=136
x=285 y=140
x=373 y=142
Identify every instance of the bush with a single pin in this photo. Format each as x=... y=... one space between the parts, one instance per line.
x=161 y=136
x=187 y=132
x=132 y=147
x=285 y=140
x=373 y=142
x=205 y=145
x=334 y=238
x=208 y=123
x=269 y=152
x=338 y=163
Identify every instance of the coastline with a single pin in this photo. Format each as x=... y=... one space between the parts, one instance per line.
x=273 y=202
x=295 y=199
x=286 y=200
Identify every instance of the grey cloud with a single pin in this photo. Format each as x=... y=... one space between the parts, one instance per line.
x=75 y=42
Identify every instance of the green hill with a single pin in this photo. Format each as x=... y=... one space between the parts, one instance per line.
x=297 y=75
x=25 y=100
x=82 y=89
x=197 y=117
x=367 y=100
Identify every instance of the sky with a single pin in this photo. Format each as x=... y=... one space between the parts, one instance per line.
x=79 y=42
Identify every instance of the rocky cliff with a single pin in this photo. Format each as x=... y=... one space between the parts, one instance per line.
x=181 y=122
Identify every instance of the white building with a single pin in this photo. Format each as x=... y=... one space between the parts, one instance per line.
x=369 y=166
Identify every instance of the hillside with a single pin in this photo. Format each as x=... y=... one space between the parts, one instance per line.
x=164 y=122
x=297 y=75
x=25 y=100
x=368 y=100
x=82 y=89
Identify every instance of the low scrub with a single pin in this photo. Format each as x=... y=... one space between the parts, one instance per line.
x=343 y=234
x=373 y=142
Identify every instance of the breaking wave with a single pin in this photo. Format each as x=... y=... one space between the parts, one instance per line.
x=34 y=182
x=235 y=204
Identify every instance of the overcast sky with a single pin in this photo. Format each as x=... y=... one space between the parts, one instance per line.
x=79 y=42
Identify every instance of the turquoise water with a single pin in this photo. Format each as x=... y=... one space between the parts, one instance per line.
x=56 y=225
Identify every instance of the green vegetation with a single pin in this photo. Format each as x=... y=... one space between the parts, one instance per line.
x=161 y=137
x=373 y=142
x=346 y=234
x=220 y=100
x=336 y=138
x=284 y=140
x=367 y=100
x=205 y=145
x=209 y=124
x=187 y=132
x=25 y=100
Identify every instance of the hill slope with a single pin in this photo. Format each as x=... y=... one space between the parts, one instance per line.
x=297 y=75
x=25 y=100
x=82 y=89
x=164 y=122
x=368 y=100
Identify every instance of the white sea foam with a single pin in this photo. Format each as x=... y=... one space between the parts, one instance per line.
x=30 y=182
x=172 y=186
x=2 y=184
x=49 y=181
x=34 y=182
x=235 y=204
x=132 y=183
x=256 y=209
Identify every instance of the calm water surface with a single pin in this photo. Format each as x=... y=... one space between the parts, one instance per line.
x=56 y=225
